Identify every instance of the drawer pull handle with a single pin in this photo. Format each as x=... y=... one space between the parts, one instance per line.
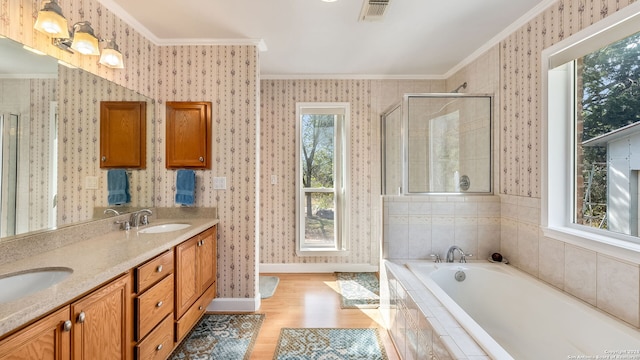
x=159 y=268
x=159 y=304
x=200 y=307
x=159 y=347
x=67 y=326
x=81 y=317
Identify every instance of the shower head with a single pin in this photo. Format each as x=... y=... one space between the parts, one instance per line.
x=463 y=86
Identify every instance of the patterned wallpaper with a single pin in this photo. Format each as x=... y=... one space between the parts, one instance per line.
x=43 y=92
x=277 y=202
x=368 y=99
x=520 y=92
x=228 y=77
x=80 y=94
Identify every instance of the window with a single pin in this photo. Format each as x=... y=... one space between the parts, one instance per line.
x=593 y=132
x=322 y=143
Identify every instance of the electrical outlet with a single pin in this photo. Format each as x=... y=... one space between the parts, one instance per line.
x=91 y=182
x=274 y=179
x=219 y=183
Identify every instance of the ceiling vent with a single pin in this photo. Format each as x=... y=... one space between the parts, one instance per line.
x=373 y=10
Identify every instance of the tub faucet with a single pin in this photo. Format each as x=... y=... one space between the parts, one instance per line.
x=451 y=251
x=136 y=220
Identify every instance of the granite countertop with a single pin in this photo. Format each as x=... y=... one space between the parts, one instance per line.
x=94 y=262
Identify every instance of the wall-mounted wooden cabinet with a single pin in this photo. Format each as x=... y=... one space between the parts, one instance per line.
x=188 y=135
x=123 y=134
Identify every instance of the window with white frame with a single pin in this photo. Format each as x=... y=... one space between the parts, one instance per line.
x=322 y=178
x=593 y=131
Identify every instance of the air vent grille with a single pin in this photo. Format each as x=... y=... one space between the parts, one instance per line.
x=373 y=10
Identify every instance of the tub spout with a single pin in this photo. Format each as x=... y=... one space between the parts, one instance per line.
x=451 y=253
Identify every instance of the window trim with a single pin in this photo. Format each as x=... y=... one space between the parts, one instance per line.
x=558 y=145
x=342 y=181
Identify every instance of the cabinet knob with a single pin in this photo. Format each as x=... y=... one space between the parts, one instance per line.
x=104 y=158
x=159 y=347
x=66 y=326
x=159 y=304
x=201 y=159
x=200 y=307
x=159 y=268
x=81 y=317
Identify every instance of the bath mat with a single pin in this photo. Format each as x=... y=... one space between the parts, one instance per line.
x=220 y=336
x=359 y=290
x=268 y=285
x=330 y=344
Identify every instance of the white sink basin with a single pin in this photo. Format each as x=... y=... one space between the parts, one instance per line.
x=162 y=228
x=17 y=285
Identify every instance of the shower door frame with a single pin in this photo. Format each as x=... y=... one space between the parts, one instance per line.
x=404 y=138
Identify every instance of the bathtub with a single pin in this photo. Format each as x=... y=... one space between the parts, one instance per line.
x=514 y=316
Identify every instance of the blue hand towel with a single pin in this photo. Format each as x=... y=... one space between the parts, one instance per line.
x=185 y=187
x=118 y=187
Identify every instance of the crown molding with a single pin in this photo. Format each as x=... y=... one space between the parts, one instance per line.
x=119 y=12
x=524 y=19
x=261 y=45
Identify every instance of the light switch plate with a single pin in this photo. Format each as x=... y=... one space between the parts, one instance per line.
x=91 y=182
x=219 y=183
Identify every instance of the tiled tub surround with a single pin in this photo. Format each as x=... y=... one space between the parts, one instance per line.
x=417 y=226
x=507 y=312
x=96 y=251
x=420 y=326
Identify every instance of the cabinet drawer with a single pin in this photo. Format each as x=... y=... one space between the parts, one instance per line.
x=159 y=343
x=195 y=312
x=154 y=270
x=153 y=306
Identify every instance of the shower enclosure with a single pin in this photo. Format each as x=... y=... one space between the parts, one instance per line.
x=437 y=143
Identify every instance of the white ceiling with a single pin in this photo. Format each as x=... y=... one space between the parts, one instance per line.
x=417 y=38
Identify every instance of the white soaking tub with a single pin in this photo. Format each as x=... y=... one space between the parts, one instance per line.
x=511 y=315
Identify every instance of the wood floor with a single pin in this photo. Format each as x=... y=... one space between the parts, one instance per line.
x=311 y=300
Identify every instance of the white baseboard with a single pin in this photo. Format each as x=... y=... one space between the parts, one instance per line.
x=317 y=268
x=234 y=305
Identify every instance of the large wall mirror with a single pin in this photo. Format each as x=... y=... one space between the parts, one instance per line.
x=49 y=143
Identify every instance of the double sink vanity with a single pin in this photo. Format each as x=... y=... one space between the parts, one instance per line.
x=95 y=291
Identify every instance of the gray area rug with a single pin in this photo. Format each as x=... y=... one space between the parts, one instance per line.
x=220 y=336
x=329 y=344
x=359 y=290
x=268 y=285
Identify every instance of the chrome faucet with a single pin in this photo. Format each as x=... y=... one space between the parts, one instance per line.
x=452 y=250
x=135 y=219
x=111 y=211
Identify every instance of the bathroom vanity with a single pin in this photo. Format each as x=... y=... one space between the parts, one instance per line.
x=132 y=295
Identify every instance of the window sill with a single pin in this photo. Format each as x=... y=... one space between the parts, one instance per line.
x=321 y=252
x=607 y=245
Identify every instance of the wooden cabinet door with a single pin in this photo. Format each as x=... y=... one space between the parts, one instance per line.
x=46 y=339
x=123 y=134
x=207 y=258
x=186 y=273
x=188 y=135
x=103 y=323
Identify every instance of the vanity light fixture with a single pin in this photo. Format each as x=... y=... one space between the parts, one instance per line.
x=84 y=40
x=51 y=21
x=111 y=56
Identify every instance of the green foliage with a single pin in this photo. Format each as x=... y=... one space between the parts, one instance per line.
x=610 y=100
